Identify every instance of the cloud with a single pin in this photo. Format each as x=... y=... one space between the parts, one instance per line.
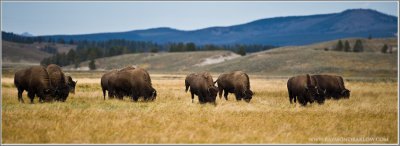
x=366 y=5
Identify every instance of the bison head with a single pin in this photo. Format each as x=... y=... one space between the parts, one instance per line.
x=152 y=94
x=345 y=93
x=248 y=95
x=312 y=93
x=71 y=85
x=48 y=95
x=212 y=92
x=321 y=96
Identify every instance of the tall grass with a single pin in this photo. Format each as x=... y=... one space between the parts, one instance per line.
x=269 y=118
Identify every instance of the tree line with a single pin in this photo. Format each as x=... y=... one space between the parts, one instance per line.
x=7 y=36
x=90 y=50
x=358 y=47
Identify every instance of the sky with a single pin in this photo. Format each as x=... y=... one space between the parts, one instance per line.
x=49 y=18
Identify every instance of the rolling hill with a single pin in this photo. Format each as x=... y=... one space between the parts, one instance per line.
x=284 y=61
x=29 y=53
x=279 y=31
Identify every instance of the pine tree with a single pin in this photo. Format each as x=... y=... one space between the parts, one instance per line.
x=241 y=51
x=190 y=47
x=384 y=49
x=339 y=46
x=347 y=46
x=92 y=64
x=358 y=46
x=154 y=50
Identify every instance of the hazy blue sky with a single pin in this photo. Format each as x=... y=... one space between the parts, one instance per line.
x=46 y=18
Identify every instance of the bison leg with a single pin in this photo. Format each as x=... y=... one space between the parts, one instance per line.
x=201 y=98
x=226 y=94
x=220 y=92
x=104 y=94
x=20 y=95
x=302 y=101
x=238 y=96
x=192 y=96
x=120 y=97
x=110 y=94
x=135 y=98
x=290 y=97
x=31 y=95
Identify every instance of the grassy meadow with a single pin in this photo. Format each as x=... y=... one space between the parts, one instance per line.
x=371 y=114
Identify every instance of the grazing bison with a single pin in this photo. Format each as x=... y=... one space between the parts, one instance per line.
x=107 y=76
x=57 y=80
x=201 y=84
x=134 y=83
x=35 y=80
x=333 y=85
x=305 y=88
x=238 y=83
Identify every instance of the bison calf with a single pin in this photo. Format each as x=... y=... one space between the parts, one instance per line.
x=238 y=83
x=201 y=84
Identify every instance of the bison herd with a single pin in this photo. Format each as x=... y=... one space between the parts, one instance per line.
x=50 y=83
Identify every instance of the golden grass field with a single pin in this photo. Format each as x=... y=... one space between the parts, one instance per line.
x=369 y=116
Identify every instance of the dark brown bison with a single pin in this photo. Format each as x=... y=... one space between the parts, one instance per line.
x=238 y=83
x=333 y=85
x=107 y=76
x=35 y=80
x=133 y=83
x=305 y=89
x=57 y=80
x=202 y=85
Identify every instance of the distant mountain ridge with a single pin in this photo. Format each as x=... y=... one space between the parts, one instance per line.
x=27 y=34
x=281 y=31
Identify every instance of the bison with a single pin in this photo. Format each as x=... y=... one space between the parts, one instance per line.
x=57 y=79
x=134 y=83
x=202 y=85
x=238 y=83
x=305 y=88
x=36 y=81
x=333 y=85
x=107 y=76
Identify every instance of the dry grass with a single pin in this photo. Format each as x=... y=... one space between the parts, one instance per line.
x=371 y=112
